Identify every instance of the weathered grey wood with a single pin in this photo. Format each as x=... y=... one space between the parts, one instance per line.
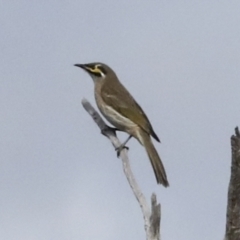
x=155 y=217
x=151 y=217
x=233 y=206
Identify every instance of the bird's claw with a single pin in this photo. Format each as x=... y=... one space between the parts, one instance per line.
x=120 y=148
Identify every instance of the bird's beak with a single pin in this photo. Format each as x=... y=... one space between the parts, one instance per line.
x=80 y=65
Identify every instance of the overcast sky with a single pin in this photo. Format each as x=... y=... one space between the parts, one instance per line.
x=60 y=178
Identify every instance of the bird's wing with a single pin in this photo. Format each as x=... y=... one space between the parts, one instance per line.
x=121 y=100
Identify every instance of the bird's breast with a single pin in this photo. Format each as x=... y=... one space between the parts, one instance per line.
x=114 y=117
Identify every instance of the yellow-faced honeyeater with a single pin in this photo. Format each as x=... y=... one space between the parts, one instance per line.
x=119 y=107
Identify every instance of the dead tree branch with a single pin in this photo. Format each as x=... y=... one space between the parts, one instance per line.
x=151 y=216
x=233 y=207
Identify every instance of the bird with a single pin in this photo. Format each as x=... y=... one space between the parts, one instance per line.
x=119 y=107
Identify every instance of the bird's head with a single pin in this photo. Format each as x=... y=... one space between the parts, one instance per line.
x=97 y=70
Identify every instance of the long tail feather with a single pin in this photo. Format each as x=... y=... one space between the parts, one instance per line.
x=156 y=162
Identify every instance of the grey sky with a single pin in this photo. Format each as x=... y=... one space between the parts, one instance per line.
x=59 y=178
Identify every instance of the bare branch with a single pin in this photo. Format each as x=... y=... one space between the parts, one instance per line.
x=155 y=217
x=151 y=218
x=233 y=208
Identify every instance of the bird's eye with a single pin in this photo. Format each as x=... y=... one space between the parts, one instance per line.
x=96 y=70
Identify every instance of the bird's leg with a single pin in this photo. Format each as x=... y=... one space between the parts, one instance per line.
x=114 y=129
x=123 y=145
x=105 y=131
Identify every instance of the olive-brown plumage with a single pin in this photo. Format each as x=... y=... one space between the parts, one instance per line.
x=120 y=109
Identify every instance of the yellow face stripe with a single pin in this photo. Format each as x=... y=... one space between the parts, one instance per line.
x=95 y=69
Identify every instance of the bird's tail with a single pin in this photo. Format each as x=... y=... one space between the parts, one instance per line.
x=156 y=162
